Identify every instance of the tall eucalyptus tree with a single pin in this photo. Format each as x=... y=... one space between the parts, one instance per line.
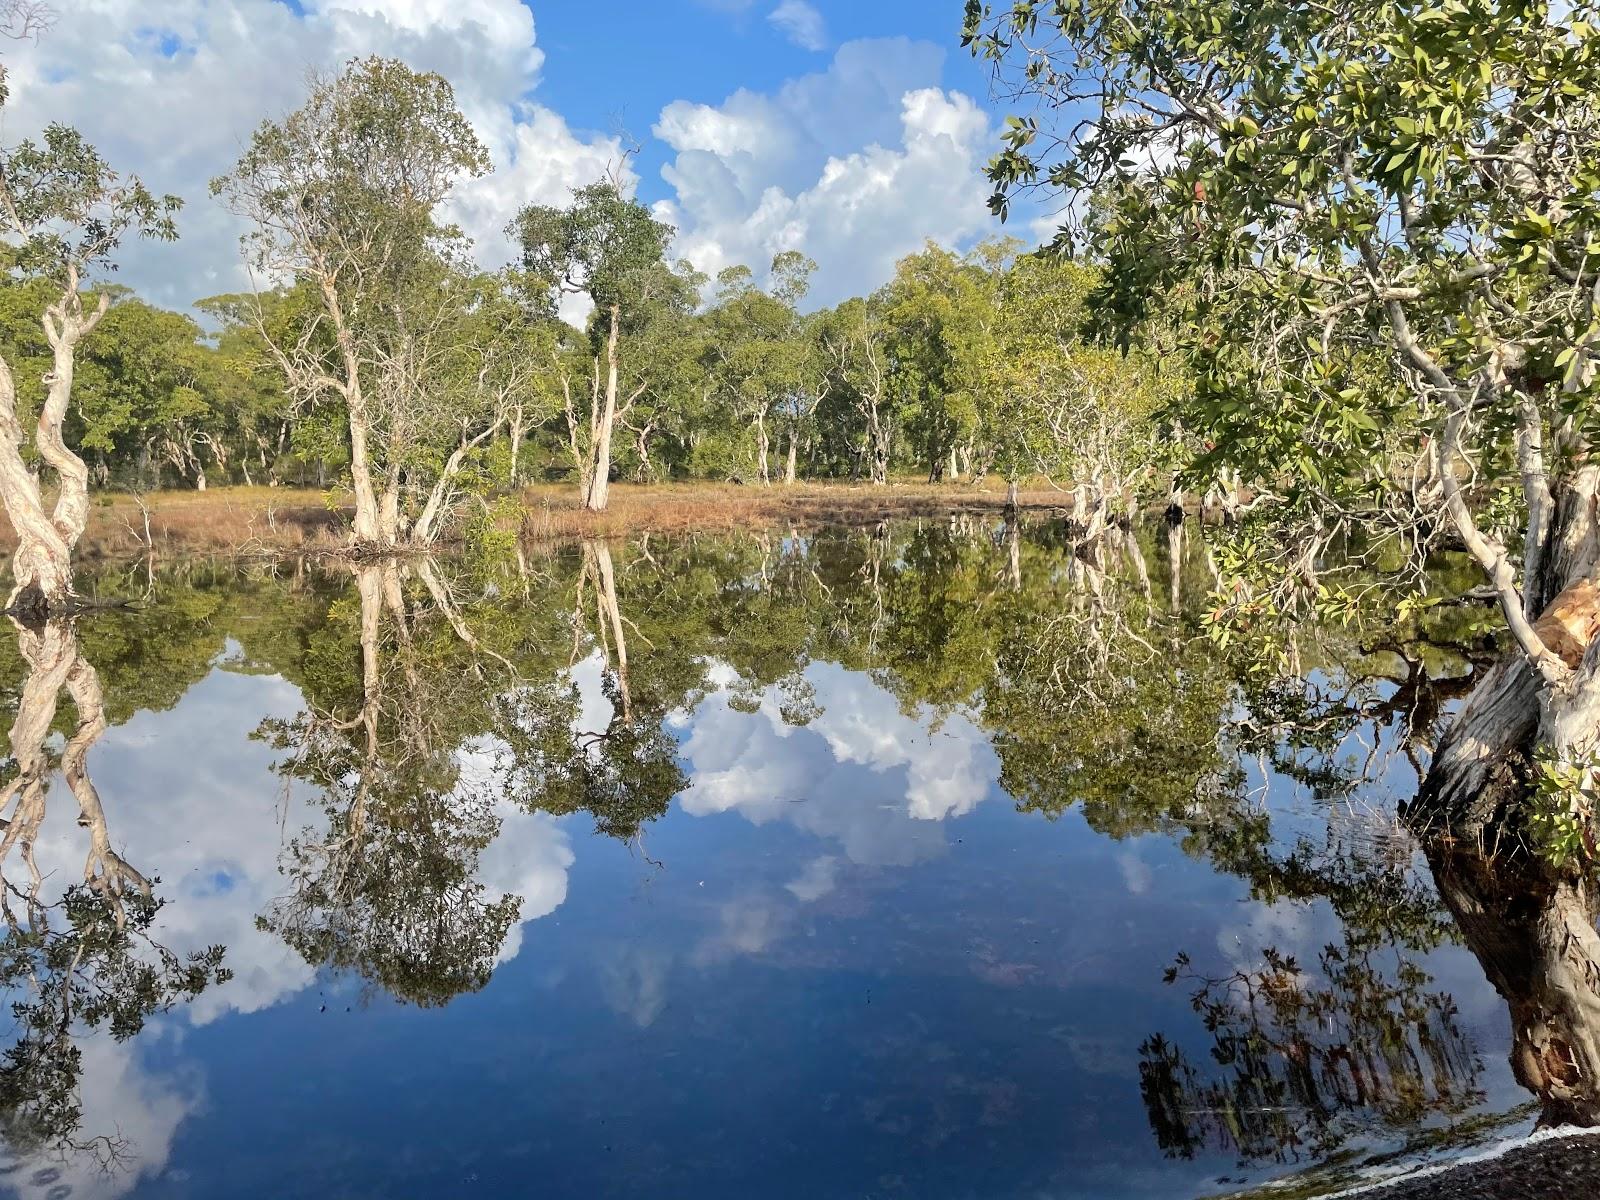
x=342 y=196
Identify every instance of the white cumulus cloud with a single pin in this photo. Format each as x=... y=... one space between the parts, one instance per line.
x=172 y=92
x=863 y=775
x=858 y=166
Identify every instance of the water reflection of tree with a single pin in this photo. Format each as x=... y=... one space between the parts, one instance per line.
x=1301 y=1060
x=428 y=719
x=1305 y=1059
x=85 y=960
x=1109 y=703
x=387 y=886
x=1533 y=930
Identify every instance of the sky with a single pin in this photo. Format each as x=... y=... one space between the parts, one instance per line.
x=850 y=131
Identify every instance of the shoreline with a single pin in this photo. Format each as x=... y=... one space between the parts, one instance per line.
x=1556 y=1164
x=264 y=521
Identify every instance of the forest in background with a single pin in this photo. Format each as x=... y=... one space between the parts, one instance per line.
x=962 y=366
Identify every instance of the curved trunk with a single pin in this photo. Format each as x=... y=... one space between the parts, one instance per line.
x=42 y=563
x=1481 y=773
x=642 y=448
x=50 y=652
x=56 y=664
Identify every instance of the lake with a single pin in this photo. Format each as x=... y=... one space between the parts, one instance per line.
x=925 y=861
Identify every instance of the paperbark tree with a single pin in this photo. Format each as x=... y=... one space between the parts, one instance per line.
x=342 y=198
x=65 y=213
x=852 y=338
x=607 y=247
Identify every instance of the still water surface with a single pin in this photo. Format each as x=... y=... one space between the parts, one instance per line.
x=928 y=861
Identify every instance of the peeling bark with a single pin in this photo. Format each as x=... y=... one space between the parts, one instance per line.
x=1545 y=693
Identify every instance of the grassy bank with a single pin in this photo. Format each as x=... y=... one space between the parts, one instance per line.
x=260 y=520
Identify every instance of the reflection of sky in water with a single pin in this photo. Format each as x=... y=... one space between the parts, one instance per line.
x=857 y=970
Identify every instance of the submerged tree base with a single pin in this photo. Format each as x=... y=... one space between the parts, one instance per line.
x=1532 y=928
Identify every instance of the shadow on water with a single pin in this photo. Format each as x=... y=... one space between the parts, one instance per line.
x=438 y=705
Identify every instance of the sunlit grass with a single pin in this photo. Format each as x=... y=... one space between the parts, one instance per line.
x=262 y=520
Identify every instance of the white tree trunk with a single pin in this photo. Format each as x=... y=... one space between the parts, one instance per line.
x=597 y=555
x=516 y=445
x=600 y=475
x=367 y=530
x=41 y=567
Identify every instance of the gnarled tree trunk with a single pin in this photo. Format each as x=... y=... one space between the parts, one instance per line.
x=41 y=567
x=1480 y=775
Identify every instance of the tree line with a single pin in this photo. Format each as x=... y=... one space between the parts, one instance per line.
x=376 y=353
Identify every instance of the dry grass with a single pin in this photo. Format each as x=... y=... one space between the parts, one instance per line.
x=261 y=520
x=241 y=520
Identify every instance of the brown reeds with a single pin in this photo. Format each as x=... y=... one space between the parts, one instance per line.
x=267 y=521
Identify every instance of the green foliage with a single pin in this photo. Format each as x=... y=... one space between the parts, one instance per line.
x=68 y=211
x=1366 y=232
x=604 y=245
x=90 y=961
x=1561 y=816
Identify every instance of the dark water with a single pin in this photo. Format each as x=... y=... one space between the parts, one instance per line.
x=923 y=862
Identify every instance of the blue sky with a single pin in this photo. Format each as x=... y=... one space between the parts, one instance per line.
x=850 y=131
x=703 y=50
